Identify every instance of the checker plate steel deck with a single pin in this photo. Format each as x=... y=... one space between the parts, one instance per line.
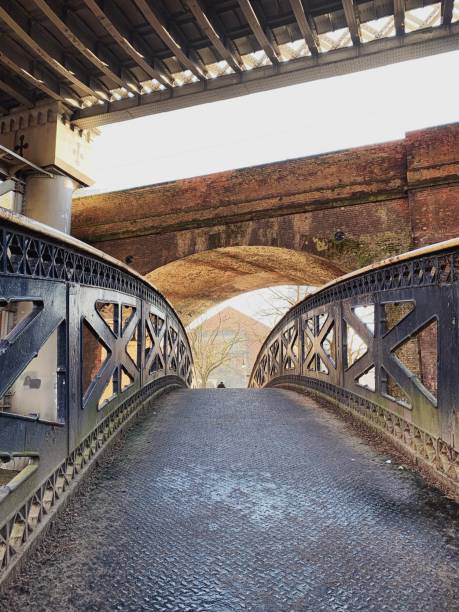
x=247 y=500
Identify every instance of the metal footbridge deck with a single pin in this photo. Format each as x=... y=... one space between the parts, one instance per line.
x=246 y=500
x=254 y=499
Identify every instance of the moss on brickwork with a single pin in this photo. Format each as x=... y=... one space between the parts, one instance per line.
x=352 y=253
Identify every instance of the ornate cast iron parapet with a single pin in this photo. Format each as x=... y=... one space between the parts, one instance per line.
x=382 y=342
x=84 y=343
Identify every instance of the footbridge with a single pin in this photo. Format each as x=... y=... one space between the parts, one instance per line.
x=266 y=498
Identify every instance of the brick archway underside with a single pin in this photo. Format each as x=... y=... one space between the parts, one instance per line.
x=195 y=283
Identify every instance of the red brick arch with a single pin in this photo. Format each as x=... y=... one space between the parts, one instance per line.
x=350 y=207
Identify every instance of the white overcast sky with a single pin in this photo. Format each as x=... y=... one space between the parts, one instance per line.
x=347 y=111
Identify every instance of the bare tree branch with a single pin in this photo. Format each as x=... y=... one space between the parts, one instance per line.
x=280 y=299
x=211 y=349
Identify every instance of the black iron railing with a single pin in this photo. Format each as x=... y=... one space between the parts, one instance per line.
x=84 y=343
x=384 y=343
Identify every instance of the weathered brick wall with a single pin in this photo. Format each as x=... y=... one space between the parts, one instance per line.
x=372 y=231
x=385 y=199
x=366 y=174
x=433 y=183
x=435 y=213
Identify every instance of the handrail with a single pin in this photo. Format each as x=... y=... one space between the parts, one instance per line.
x=28 y=224
x=445 y=245
x=382 y=342
x=58 y=238
x=21 y=476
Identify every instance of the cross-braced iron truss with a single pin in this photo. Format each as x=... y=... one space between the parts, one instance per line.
x=84 y=344
x=383 y=343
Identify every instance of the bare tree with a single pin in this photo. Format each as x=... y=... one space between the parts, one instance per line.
x=280 y=299
x=211 y=349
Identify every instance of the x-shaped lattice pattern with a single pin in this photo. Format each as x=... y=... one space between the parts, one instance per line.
x=315 y=330
x=173 y=357
x=155 y=361
x=116 y=340
x=289 y=339
x=63 y=286
x=274 y=358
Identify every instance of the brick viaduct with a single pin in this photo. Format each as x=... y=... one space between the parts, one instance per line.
x=304 y=220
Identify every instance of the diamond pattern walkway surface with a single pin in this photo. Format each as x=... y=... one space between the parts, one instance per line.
x=247 y=500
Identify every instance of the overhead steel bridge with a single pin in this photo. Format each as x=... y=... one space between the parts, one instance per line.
x=260 y=498
x=111 y=61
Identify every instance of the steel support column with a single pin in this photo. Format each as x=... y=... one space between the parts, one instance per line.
x=49 y=200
